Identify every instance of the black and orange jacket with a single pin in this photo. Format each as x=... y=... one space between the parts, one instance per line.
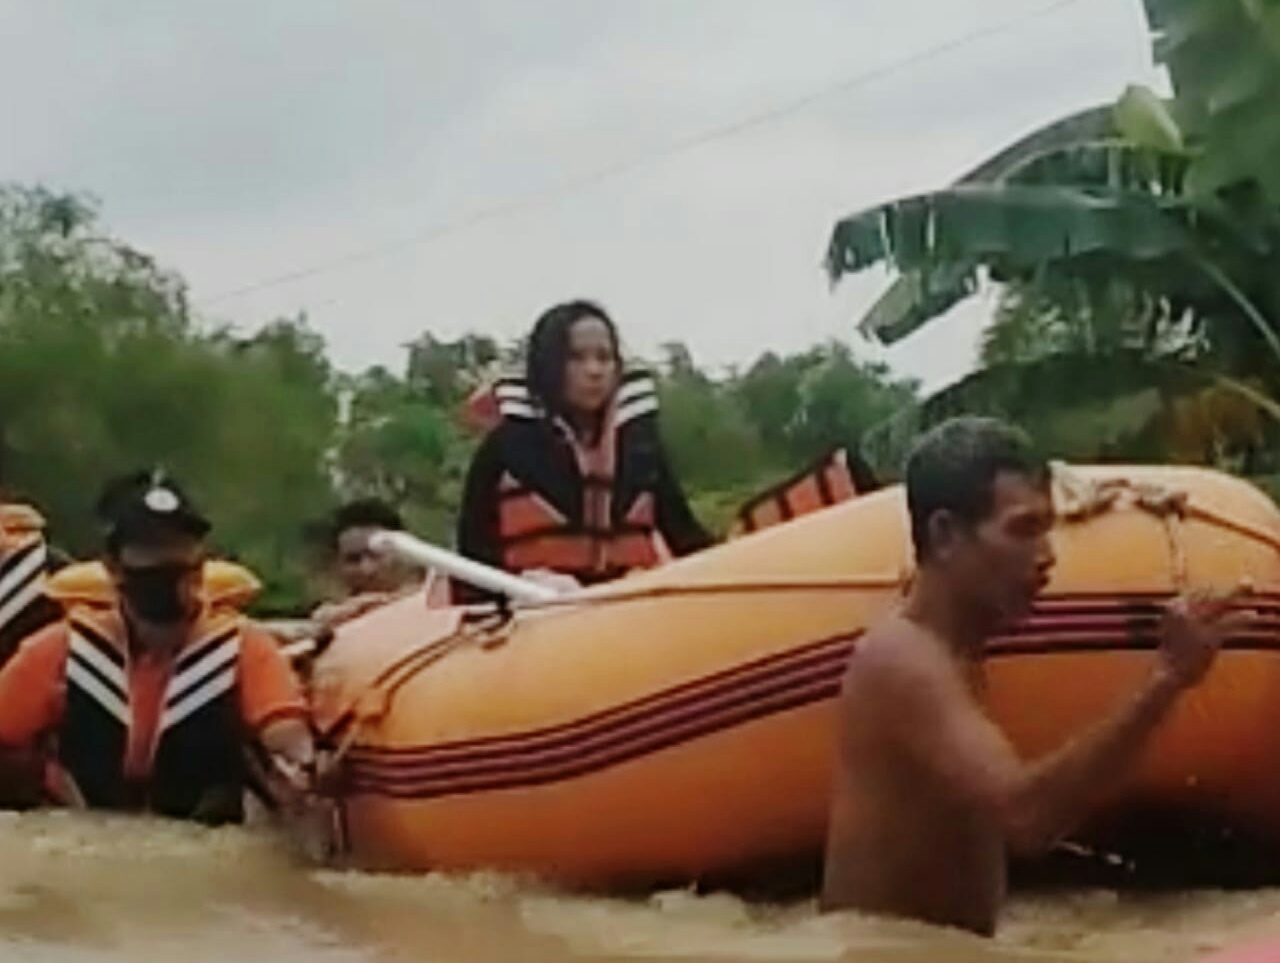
x=536 y=498
x=164 y=734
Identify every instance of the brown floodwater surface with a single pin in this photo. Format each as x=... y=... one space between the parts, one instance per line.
x=88 y=889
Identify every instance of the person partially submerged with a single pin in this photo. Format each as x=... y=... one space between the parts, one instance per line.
x=365 y=579
x=150 y=703
x=930 y=797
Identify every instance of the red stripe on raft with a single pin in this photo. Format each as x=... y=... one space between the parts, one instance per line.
x=1258 y=642
x=363 y=782
x=1115 y=635
x=568 y=745
x=1115 y=599
x=693 y=692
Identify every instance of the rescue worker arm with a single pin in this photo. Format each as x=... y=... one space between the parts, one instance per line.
x=33 y=687
x=272 y=706
x=676 y=522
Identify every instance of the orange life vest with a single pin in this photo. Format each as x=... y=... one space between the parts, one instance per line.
x=225 y=586
x=606 y=539
x=18 y=521
x=198 y=767
x=827 y=482
x=535 y=535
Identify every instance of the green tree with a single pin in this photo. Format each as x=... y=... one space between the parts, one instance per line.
x=768 y=391
x=713 y=446
x=402 y=443
x=839 y=399
x=1108 y=241
x=265 y=466
x=102 y=370
x=445 y=371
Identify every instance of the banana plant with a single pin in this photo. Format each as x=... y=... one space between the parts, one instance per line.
x=1102 y=205
x=1090 y=406
x=1223 y=58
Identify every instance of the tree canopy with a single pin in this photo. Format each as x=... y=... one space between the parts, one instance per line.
x=104 y=368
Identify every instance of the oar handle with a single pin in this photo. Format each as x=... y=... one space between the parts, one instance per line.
x=415 y=550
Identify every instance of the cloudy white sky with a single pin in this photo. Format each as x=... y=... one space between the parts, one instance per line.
x=242 y=140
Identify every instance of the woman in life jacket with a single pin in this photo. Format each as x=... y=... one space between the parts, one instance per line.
x=574 y=479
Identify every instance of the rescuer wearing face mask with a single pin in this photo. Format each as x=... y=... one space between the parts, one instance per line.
x=150 y=704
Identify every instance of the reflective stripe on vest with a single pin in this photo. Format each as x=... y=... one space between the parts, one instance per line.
x=21 y=580
x=582 y=554
x=522 y=512
x=196 y=767
x=201 y=673
x=97 y=668
x=637 y=396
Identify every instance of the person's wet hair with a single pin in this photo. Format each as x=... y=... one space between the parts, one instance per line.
x=954 y=467
x=548 y=351
x=363 y=513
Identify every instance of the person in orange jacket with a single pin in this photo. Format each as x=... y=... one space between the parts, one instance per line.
x=150 y=703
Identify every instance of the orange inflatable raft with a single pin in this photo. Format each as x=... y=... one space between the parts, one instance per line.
x=678 y=724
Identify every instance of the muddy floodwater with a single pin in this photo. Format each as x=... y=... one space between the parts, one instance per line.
x=77 y=889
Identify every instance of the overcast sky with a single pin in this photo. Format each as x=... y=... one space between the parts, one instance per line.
x=241 y=140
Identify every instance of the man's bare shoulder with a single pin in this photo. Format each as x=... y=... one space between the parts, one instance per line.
x=900 y=668
x=898 y=649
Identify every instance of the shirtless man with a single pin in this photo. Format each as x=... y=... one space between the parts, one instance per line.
x=930 y=796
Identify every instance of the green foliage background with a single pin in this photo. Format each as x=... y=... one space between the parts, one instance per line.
x=104 y=368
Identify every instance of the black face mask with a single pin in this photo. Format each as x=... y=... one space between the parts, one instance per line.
x=155 y=593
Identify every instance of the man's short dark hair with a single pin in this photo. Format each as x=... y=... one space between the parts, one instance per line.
x=364 y=513
x=954 y=466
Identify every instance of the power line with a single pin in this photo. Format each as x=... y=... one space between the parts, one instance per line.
x=673 y=148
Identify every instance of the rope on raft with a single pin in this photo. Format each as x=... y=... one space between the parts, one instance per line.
x=1080 y=499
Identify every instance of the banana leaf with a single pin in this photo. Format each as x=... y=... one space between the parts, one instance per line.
x=1083 y=406
x=924 y=293
x=1223 y=57
x=1014 y=228
x=1100 y=165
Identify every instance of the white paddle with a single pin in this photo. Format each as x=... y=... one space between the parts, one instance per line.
x=405 y=546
